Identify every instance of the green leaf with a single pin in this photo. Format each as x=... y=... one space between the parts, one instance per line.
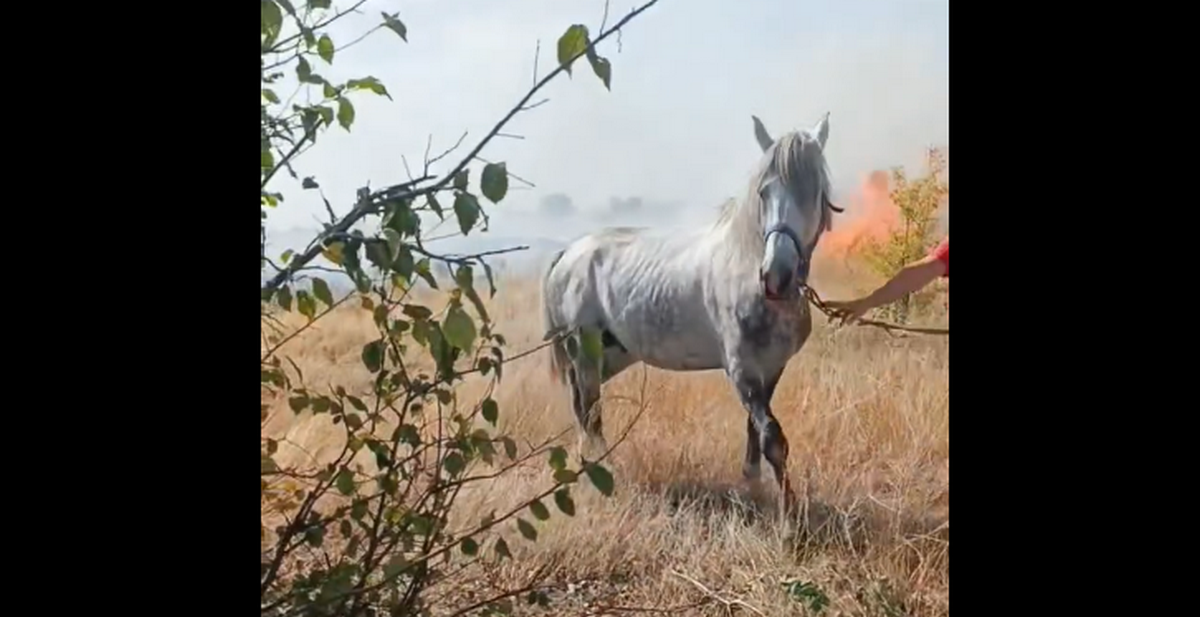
x=490 y=411
x=454 y=463
x=372 y=356
x=321 y=291
x=558 y=458
x=394 y=243
x=368 y=83
x=286 y=256
x=326 y=113
x=344 y=481
x=465 y=277
x=306 y=305
x=562 y=499
x=320 y=4
x=358 y=509
x=266 y=159
x=271 y=21
x=592 y=343
x=603 y=69
x=304 y=72
x=298 y=403
x=459 y=329
x=433 y=204
x=422 y=270
x=466 y=208
x=284 y=298
x=491 y=279
x=510 y=447
x=501 y=548
x=325 y=48
x=565 y=476
x=345 y=112
x=494 y=182
x=527 y=529
x=329 y=91
x=309 y=183
x=395 y=25
x=400 y=217
x=416 y=311
x=601 y=478
x=315 y=536
x=470 y=547
x=335 y=252
x=270 y=95
x=572 y=43
x=539 y=510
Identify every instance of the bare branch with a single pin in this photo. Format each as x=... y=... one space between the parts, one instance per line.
x=604 y=20
x=407 y=171
x=444 y=154
x=537 y=53
x=533 y=106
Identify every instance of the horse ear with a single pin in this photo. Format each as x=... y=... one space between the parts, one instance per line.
x=822 y=130
x=760 y=133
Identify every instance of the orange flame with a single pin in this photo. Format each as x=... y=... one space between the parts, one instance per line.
x=870 y=215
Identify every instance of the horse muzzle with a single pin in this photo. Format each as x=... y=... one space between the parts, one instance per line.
x=779 y=284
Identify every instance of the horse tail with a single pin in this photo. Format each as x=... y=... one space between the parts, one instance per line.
x=558 y=353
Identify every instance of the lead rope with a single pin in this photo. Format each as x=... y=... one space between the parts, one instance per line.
x=815 y=299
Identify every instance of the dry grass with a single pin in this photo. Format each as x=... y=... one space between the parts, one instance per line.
x=867 y=417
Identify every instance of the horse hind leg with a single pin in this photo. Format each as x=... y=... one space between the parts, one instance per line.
x=585 y=398
x=586 y=381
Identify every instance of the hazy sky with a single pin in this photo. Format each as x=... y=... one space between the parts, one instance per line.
x=675 y=131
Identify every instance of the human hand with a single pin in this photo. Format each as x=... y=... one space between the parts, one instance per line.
x=847 y=311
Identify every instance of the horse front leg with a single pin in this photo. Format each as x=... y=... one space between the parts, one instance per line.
x=755 y=393
x=751 y=466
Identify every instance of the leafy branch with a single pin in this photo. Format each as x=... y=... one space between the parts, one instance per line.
x=573 y=45
x=368 y=529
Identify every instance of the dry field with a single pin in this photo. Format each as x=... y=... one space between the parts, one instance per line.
x=867 y=418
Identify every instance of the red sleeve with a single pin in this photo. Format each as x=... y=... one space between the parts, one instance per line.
x=942 y=253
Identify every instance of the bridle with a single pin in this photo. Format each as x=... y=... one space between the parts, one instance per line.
x=782 y=228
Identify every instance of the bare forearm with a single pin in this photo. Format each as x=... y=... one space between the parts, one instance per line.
x=908 y=280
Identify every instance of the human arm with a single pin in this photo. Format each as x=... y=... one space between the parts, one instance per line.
x=911 y=278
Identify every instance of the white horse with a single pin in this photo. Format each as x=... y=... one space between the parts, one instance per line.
x=724 y=296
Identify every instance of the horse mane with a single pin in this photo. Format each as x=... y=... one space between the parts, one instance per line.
x=797 y=159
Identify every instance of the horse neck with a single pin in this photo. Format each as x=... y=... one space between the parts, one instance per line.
x=738 y=238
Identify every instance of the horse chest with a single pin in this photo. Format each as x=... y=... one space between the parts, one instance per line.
x=770 y=330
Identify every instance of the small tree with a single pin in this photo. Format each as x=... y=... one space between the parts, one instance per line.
x=911 y=237
x=369 y=531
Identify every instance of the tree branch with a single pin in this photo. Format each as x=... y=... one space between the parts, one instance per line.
x=409 y=190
